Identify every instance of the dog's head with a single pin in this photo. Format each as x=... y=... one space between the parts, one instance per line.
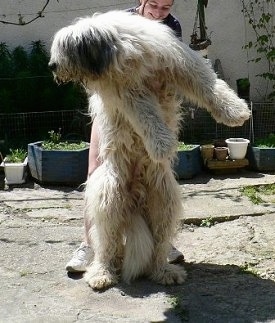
x=81 y=51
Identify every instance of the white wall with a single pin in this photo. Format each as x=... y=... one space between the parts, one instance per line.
x=224 y=20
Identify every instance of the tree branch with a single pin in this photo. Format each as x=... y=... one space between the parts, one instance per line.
x=21 y=21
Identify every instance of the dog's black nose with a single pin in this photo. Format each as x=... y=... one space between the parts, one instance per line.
x=52 y=66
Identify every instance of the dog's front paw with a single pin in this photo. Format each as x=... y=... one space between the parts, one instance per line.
x=235 y=117
x=227 y=107
x=100 y=279
x=169 y=274
x=163 y=146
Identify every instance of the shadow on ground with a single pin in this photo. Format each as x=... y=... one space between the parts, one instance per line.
x=213 y=293
x=205 y=176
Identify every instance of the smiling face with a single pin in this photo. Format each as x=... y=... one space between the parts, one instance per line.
x=155 y=9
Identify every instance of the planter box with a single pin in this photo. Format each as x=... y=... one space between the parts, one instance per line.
x=262 y=159
x=189 y=163
x=58 y=166
x=15 y=173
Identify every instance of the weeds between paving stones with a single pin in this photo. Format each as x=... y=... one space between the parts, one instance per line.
x=208 y=222
x=176 y=303
x=257 y=193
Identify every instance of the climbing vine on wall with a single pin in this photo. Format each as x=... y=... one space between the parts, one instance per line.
x=259 y=16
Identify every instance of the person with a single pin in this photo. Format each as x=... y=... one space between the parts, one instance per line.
x=151 y=9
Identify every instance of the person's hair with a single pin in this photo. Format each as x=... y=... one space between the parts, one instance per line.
x=144 y=3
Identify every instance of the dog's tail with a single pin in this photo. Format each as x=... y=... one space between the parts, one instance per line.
x=139 y=247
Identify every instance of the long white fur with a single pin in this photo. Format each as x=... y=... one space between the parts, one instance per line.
x=136 y=73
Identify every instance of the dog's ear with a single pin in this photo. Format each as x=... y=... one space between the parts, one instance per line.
x=95 y=51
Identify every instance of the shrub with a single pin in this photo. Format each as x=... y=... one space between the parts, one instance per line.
x=27 y=84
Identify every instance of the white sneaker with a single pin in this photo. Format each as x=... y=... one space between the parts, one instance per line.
x=175 y=256
x=81 y=259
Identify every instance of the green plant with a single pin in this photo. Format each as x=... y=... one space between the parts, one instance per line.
x=248 y=269
x=208 y=222
x=258 y=14
x=177 y=304
x=182 y=146
x=26 y=83
x=268 y=142
x=252 y=193
x=6 y=70
x=55 y=143
x=243 y=84
x=17 y=155
x=256 y=193
x=243 y=88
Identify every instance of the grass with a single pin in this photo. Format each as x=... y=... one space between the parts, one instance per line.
x=256 y=193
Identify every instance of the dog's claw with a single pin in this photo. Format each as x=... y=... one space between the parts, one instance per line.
x=100 y=279
x=170 y=274
x=101 y=282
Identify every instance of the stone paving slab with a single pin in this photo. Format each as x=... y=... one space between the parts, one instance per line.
x=219 y=197
x=230 y=265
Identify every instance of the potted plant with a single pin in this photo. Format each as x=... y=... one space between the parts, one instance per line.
x=188 y=162
x=243 y=88
x=58 y=162
x=15 y=166
x=261 y=154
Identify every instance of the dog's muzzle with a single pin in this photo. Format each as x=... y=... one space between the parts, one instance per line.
x=52 y=66
x=57 y=78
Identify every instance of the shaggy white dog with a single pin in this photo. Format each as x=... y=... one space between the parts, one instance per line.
x=136 y=72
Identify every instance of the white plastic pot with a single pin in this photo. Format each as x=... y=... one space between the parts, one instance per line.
x=237 y=147
x=15 y=173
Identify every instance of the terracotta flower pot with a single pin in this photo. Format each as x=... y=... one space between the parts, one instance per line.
x=207 y=152
x=221 y=153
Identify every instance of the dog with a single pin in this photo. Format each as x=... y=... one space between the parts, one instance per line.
x=136 y=73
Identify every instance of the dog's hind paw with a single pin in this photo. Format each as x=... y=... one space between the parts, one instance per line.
x=170 y=274
x=100 y=280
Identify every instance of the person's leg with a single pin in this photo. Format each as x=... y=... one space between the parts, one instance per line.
x=83 y=255
x=175 y=256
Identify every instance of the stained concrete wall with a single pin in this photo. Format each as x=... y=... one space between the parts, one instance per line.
x=224 y=19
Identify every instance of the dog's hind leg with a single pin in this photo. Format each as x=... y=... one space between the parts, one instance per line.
x=164 y=206
x=103 y=205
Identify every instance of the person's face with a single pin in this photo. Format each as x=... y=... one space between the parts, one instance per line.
x=156 y=9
